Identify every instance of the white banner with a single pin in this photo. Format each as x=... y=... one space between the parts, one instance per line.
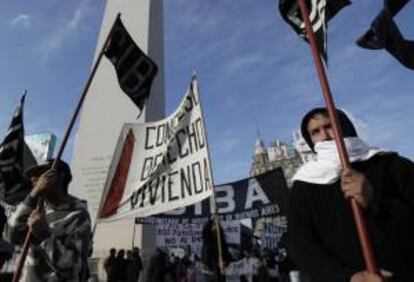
x=184 y=235
x=179 y=235
x=160 y=166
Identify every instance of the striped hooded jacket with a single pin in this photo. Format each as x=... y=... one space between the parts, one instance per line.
x=60 y=253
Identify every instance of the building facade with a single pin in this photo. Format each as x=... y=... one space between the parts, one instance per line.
x=288 y=156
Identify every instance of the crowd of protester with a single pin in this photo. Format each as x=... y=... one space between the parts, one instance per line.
x=61 y=238
x=264 y=266
x=74 y=241
x=123 y=267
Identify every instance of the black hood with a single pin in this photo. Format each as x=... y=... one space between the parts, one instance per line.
x=347 y=126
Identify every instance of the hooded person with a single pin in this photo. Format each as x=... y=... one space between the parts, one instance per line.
x=61 y=234
x=322 y=237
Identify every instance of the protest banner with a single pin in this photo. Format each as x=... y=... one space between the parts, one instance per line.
x=159 y=166
x=271 y=235
x=260 y=196
x=190 y=235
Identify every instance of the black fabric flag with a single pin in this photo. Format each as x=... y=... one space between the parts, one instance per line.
x=12 y=150
x=209 y=251
x=134 y=69
x=385 y=34
x=320 y=12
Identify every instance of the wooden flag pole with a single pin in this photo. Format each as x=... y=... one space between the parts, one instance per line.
x=133 y=235
x=28 y=239
x=343 y=155
x=213 y=195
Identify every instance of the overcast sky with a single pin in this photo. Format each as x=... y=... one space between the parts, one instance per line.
x=255 y=74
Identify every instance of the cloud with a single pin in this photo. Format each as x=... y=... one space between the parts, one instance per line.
x=211 y=19
x=76 y=19
x=69 y=28
x=23 y=20
x=240 y=65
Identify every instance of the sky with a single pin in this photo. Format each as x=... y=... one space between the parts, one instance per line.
x=255 y=73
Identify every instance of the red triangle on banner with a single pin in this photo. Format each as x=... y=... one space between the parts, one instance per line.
x=116 y=191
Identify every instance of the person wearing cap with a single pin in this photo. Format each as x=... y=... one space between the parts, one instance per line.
x=61 y=233
x=322 y=235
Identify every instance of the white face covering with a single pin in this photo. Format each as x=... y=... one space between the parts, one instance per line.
x=327 y=168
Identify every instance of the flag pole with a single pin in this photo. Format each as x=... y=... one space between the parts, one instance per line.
x=133 y=234
x=28 y=239
x=85 y=91
x=213 y=195
x=343 y=155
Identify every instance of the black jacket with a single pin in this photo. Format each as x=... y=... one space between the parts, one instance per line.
x=322 y=237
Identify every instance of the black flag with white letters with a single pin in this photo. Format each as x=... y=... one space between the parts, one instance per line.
x=254 y=197
x=12 y=152
x=135 y=70
x=320 y=12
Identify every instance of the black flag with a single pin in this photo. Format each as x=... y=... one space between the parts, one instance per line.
x=134 y=69
x=385 y=34
x=209 y=251
x=320 y=12
x=12 y=152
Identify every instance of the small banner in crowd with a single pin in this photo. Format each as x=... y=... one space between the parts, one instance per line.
x=190 y=235
x=271 y=235
x=159 y=166
x=254 y=197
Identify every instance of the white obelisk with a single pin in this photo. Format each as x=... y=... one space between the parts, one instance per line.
x=105 y=110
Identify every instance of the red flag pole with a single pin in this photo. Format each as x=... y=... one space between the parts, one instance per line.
x=343 y=154
x=25 y=248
